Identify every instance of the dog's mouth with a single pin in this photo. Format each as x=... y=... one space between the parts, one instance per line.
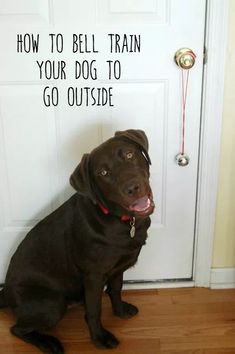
x=143 y=206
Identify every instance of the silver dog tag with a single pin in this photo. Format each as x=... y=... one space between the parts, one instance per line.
x=132 y=230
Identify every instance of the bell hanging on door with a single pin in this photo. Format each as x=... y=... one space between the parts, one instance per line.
x=182 y=160
x=185 y=59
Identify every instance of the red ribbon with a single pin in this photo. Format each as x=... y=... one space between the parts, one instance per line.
x=184 y=82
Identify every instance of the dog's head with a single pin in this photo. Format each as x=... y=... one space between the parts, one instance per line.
x=116 y=174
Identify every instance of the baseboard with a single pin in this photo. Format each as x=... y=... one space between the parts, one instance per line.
x=159 y=285
x=222 y=278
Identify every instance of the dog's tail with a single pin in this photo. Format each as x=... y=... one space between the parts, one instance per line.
x=2 y=299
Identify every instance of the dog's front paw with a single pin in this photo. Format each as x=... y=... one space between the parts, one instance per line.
x=126 y=310
x=105 y=340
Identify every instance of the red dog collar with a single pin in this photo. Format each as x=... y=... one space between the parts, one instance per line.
x=106 y=212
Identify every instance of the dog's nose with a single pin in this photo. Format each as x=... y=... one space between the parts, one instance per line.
x=132 y=188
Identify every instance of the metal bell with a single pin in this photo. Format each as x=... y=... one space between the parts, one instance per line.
x=182 y=160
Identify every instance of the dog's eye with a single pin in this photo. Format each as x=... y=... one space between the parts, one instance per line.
x=129 y=155
x=103 y=172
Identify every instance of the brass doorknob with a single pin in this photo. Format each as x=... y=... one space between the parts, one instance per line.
x=185 y=58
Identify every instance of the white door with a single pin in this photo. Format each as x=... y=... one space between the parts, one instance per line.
x=40 y=145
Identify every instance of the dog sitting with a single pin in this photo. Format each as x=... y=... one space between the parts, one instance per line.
x=84 y=245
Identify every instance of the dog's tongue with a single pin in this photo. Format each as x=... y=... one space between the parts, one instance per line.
x=141 y=204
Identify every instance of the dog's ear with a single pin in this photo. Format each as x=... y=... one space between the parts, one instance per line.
x=138 y=137
x=81 y=179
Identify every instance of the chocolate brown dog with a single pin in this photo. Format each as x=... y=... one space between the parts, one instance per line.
x=84 y=245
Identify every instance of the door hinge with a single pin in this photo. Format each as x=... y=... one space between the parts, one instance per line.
x=205 y=55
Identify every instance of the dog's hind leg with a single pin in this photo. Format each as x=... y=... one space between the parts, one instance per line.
x=37 y=314
x=47 y=344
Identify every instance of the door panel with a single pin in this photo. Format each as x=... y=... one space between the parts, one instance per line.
x=133 y=12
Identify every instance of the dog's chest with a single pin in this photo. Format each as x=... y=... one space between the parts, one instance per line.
x=113 y=248
x=129 y=234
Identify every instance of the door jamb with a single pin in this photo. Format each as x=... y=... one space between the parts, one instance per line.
x=211 y=127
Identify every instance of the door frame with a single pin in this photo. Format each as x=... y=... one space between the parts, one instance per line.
x=211 y=127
